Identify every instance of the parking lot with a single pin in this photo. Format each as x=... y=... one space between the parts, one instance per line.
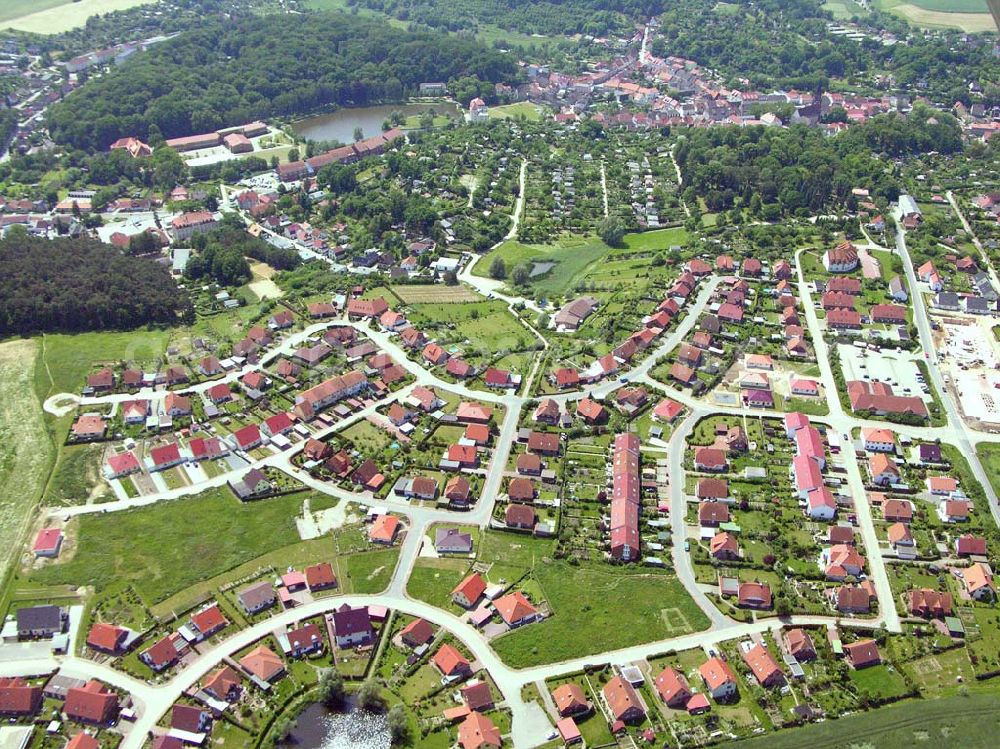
x=898 y=370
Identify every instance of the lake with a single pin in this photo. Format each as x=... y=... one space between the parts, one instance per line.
x=316 y=727
x=340 y=124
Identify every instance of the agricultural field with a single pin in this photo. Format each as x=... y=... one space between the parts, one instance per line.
x=844 y=9
x=56 y=16
x=965 y=722
x=437 y=293
x=967 y=15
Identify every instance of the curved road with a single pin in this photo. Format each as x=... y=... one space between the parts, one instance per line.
x=529 y=728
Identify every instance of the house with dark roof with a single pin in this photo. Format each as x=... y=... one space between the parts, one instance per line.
x=352 y=626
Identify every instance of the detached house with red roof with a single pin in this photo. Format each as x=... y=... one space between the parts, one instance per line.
x=92 y=703
x=623 y=701
x=451 y=663
x=719 y=679
x=468 y=592
x=515 y=609
x=18 y=697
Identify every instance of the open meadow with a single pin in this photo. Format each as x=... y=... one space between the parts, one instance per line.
x=170 y=546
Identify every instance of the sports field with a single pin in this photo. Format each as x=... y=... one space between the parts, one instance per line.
x=55 y=16
x=525 y=109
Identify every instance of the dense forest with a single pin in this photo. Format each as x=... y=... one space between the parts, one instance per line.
x=776 y=171
x=229 y=73
x=595 y=17
x=80 y=284
x=784 y=43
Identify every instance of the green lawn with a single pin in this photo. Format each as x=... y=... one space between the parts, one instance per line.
x=524 y=109
x=598 y=608
x=369 y=571
x=881 y=682
x=432 y=580
x=660 y=239
x=968 y=722
x=169 y=546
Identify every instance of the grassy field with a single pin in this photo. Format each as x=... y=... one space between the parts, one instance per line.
x=944 y=6
x=951 y=723
x=661 y=239
x=166 y=547
x=68 y=358
x=620 y=607
x=571 y=255
x=26 y=459
x=432 y=580
x=844 y=9
x=989 y=456
x=524 y=109
x=77 y=477
x=368 y=572
x=575 y=256
x=56 y=16
x=487 y=326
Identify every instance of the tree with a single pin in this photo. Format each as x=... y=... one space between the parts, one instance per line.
x=293 y=154
x=370 y=695
x=450 y=279
x=520 y=275
x=359 y=134
x=399 y=727
x=611 y=230
x=331 y=688
x=498 y=269
x=282 y=730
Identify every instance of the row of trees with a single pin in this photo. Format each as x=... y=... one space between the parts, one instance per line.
x=229 y=73
x=79 y=285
